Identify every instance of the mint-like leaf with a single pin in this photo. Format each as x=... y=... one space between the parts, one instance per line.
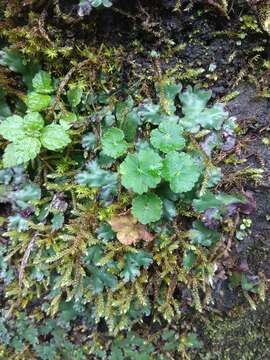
x=12 y=128
x=23 y=151
x=38 y=102
x=147 y=208
x=33 y=123
x=42 y=82
x=54 y=137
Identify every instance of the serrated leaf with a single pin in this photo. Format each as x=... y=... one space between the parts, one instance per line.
x=18 y=223
x=27 y=195
x=57 y=221
x=38 y=102
x=89 y=141
x=141 y=171
x=168 y=137
x=13 y=59
x=169 y=209
x=97 y=3
x=133 y=262
x=12 y=128
x=113 y=143
x=214 y=176
x=200 y=234
x=54 y=137
x=33 y=123
x=105 y=232
x=96 y=177
x=17 y=63
x=42 y=82
x=74 y=96
x=100 y=278
x=21 y=152
x=213 y=118
x=147 y=208
x=181 y=171
x=189 y=259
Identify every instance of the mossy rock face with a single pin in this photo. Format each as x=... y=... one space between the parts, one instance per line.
x=244 y=336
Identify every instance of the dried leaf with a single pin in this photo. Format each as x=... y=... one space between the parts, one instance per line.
x=128 y=230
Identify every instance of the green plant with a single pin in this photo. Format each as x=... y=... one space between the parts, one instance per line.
x=27 y=135
x=109 y=248
x=185 y=165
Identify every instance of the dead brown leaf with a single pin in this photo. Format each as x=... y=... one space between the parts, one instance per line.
x=128 y=230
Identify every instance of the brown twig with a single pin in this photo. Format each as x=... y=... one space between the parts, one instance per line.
x=41 y=24
x=25 y=259
x=65 y=81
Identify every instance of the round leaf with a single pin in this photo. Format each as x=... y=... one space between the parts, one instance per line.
x=181 y=171
x=21 y=152
x=113 y=143
x=54 y=137
x=168 y=137
x=12 y=128
x=147 y=208
x=141 y=171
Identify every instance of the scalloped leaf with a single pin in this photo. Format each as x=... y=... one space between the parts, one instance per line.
x=147 y=208
x=141 y=171
x=181 y=171
x=168 y=137
x=194 y=100
x=113 y=143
